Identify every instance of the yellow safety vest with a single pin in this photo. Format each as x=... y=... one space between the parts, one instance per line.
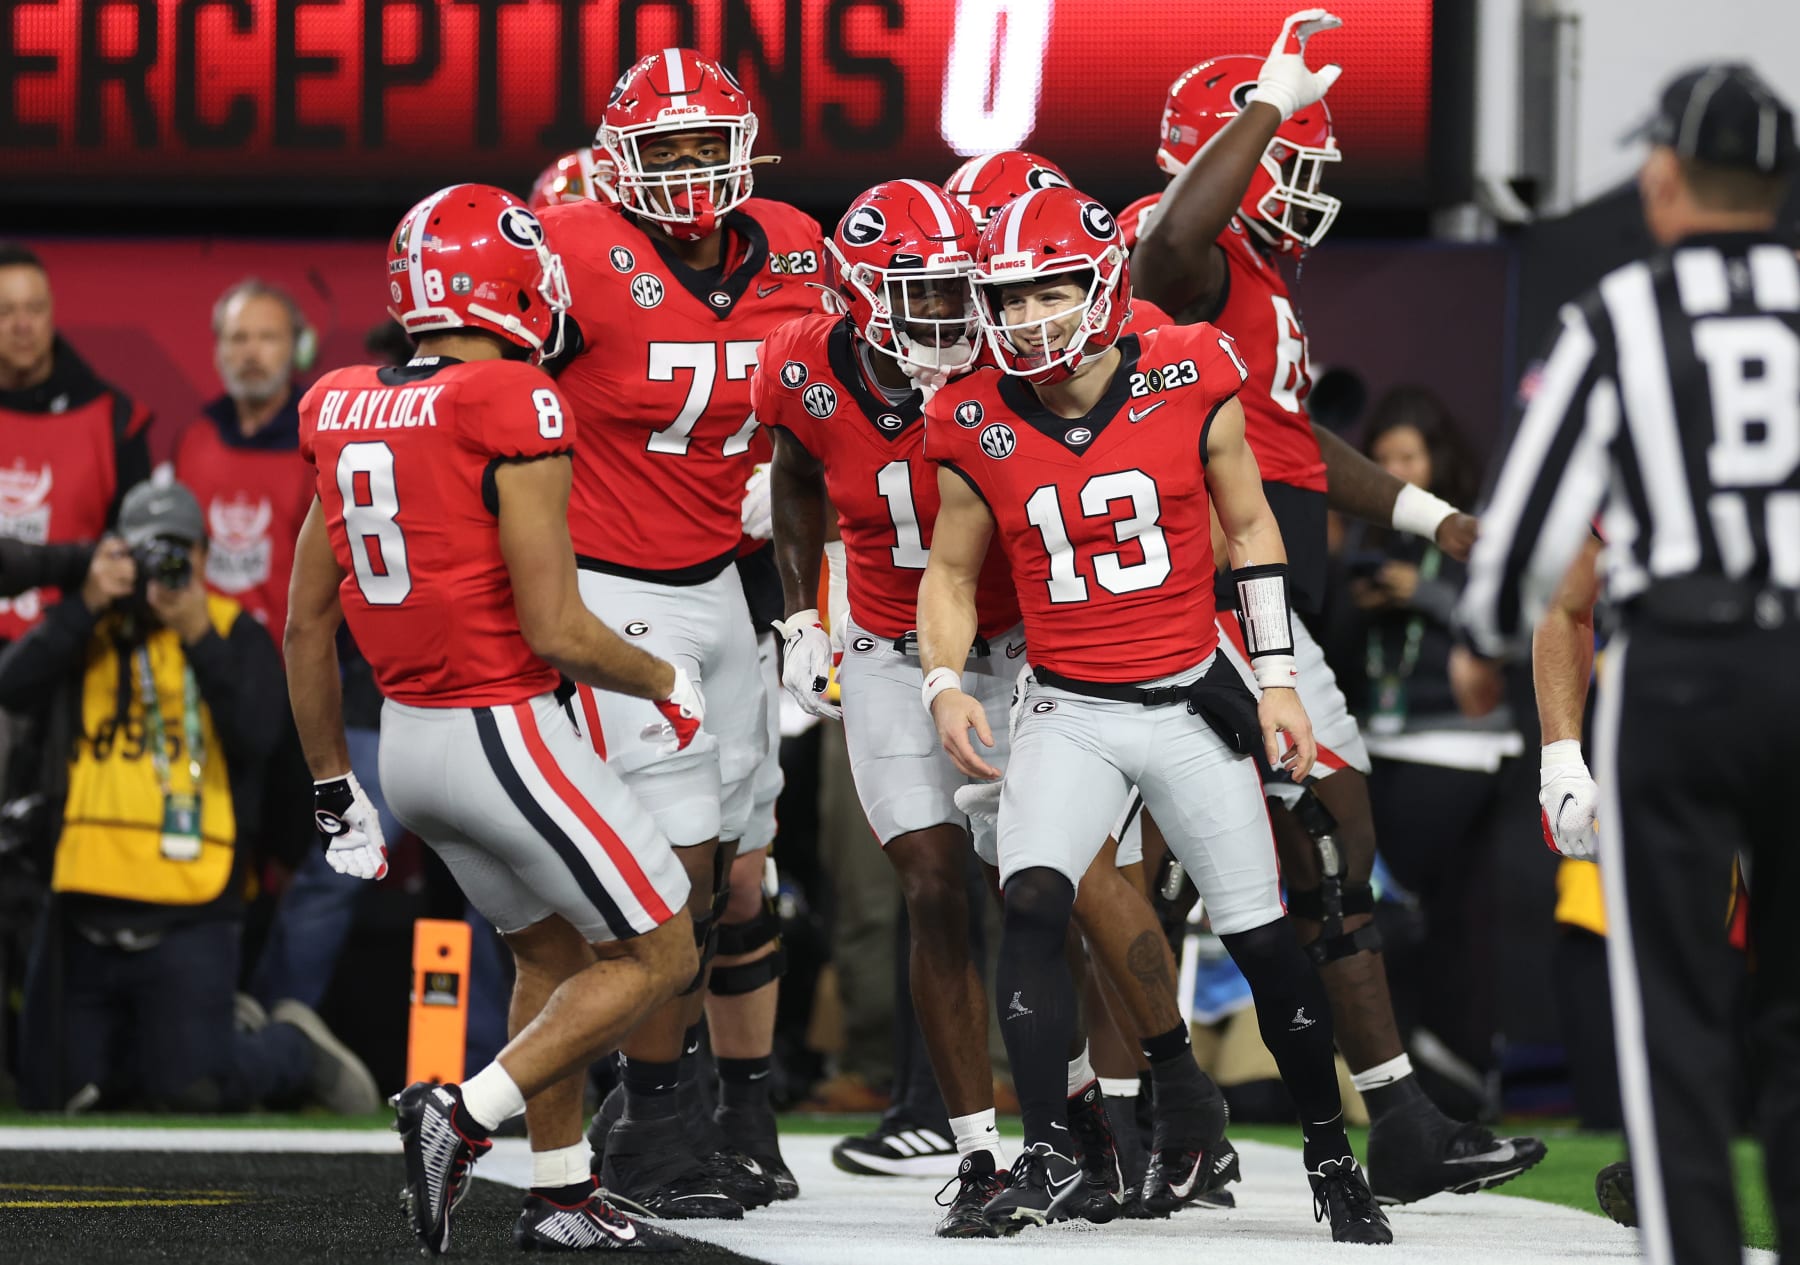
x=111 y=842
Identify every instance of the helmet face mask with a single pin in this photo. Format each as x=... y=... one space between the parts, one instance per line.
x=662 y=113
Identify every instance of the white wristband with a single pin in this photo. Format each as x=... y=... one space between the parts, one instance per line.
x=1563 y=753
x=936 y=682
x=1276 y=95
x=1276 y=671
x=1419 y=513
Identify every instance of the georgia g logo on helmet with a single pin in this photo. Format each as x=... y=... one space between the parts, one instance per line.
x=1044 y=178
x=520 y=227
x=865 y=225
x=1098 y=221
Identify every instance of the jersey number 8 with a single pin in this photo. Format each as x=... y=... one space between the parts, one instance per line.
x=365 y=480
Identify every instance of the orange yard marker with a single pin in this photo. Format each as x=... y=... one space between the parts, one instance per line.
x=440 y=1001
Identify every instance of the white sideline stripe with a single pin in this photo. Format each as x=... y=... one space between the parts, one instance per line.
x=111 y=1138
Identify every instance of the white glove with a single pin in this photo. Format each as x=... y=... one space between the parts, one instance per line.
x=1284 y=81
x=349 y=828
x=806 y=663
x=1567 y=797
x=838 y=601
x=758 y=513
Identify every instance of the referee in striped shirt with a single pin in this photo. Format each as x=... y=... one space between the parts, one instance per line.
x=1667 y=418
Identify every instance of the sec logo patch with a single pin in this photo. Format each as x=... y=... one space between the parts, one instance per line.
x=998 y=440
x=820 y=400
x=646 y=289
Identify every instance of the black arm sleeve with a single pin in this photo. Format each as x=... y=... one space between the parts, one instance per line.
x=241 y=682
x=35 y=666
x=26 y=566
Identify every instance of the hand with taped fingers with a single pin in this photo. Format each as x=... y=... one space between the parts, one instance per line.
x=1284 y=81
x=1281 y=713
x=955 y=714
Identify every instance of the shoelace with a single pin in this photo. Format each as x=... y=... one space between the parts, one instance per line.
x=987 y=1185
x=1357 y=1199
x=1094 y=1132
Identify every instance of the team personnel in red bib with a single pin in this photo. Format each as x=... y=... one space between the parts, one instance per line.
x=1248 y=143
x=675 y=288
x=1092 y=459
x=439 y=533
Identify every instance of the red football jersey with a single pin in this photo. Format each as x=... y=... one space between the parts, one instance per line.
x=1260 y=316
x=812 y=386
x=404 y=459
x=1103 y=519
x=255 y=499
x=662 y=385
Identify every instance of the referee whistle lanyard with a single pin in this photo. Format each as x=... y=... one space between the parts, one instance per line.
x=181 y=809
x=1389 y=713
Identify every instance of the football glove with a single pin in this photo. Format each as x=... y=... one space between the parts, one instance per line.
x=806 y=663
x=758 y=511
x=685 y=711
x=349 y=828
x=1284 y=81
x=1567 y=798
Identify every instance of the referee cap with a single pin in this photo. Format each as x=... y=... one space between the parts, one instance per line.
x=1724 y=115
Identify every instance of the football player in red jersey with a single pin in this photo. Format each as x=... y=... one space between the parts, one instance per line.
x=1092 y=458
x=439 y=533
x=675 y=288
x=1248 y=143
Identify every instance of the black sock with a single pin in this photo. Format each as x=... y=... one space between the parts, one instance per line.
x=744 y=1084
x=649 y=1088
x=1394 y=1096
x=1294 y=1016
x=1036 y=1000
x=1188 y=1108
x=567 y=1196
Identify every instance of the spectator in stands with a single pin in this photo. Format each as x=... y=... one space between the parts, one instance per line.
x=70 y=445
x=156 y=698
x=1435 y=785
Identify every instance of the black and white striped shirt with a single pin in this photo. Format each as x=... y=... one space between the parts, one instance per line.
x=1667 y=415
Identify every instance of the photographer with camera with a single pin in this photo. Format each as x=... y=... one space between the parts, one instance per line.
x=154 y=700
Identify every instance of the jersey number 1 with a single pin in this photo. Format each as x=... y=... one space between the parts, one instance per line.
x=365 y=479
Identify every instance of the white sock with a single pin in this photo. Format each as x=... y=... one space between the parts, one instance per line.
x=1395 y=1069
x=1081 y=1072
x=1120 y=1086
x=491 y=1097
x=562 y=1167
x=977 y=1131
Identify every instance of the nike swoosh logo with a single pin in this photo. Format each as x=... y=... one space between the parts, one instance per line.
x=753 y=1167
x=1056 y=1187
x=1013 y=652
x=763 y=292
x=1183 y=1189
x=1566 y=801
x=1138 y=415
x=1501 y=1154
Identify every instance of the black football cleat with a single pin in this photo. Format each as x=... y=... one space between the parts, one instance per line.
x=1044 y=1186
x=649 y=1164
x=440 y=1142
x=1098 y=1154
x=593 y=1224
x=1617 y=1193
x=1341 y=1195
x=752 y=1140
x=1179 y=1176
x=1420 y=1152
x=976 y=1182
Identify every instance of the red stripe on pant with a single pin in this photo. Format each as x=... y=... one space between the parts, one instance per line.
x=610 y=843
x=590 y=710
x=1231 y=630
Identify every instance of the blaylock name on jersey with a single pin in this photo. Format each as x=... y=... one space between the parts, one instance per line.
x=380 y=409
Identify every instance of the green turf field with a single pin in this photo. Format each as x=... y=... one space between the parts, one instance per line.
x=1565 y=1177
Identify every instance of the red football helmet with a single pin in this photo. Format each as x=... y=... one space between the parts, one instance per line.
x=474 y=257
x=1286 y=188
x=575 y=177
x=988 y=182
x=669 y=92
x=1043 y=235
x=902 y=249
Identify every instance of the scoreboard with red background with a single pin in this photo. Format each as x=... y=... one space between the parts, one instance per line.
x=138 y=101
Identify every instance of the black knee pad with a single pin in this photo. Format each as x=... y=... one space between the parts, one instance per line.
x=1328 y=949
x=739 y=938
x=746 y=977
x=1039 y=905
